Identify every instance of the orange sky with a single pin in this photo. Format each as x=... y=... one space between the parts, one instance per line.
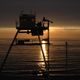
x=63 y=34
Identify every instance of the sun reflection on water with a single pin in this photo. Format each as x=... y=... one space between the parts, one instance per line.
x=44 y=47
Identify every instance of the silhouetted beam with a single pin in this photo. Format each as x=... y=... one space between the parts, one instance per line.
x=5 y=58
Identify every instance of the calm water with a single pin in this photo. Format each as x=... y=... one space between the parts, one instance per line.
x=27 y=58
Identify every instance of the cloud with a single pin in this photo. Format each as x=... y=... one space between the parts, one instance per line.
x=64 y=11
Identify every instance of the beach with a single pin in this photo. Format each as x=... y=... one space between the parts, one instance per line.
x=25 y=59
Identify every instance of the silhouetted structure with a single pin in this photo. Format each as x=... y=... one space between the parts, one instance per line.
x=27 y=24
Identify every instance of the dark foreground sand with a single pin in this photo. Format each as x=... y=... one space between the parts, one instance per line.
x=34 y=76
x=40 y=78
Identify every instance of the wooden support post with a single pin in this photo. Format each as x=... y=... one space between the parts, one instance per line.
x=48 y=32
x=66 y=56
x=5 y=58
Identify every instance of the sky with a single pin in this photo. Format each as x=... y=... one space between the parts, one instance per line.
x=61 y=12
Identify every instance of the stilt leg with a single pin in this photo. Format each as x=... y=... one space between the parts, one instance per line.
x=5 y=58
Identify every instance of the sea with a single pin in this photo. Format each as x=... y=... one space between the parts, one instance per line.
x=61 y=56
